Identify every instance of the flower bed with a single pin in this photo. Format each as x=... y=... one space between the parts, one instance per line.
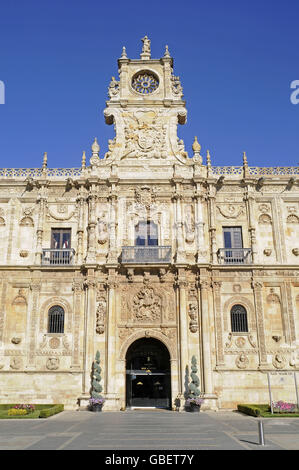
x=23 y=411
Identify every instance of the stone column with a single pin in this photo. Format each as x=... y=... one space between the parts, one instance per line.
x=205 y=289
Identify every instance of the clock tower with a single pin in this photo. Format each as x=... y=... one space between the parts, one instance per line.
x=146 y=105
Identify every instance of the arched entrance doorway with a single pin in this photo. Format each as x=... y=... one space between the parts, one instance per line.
x=148 y=375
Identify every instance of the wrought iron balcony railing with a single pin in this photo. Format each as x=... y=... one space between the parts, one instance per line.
x=146 y=254
x=235 y=256
x=58 y=257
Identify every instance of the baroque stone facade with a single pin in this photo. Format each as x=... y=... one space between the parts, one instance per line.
x=148 y=242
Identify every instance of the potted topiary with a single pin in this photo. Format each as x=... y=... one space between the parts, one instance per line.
x=193 y=402
x=96 y=401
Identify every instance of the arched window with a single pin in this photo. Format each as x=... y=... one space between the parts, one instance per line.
x=238 y=317
x=56 y=319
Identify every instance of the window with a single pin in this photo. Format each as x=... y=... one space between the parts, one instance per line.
x=238 y=316
x=146 y=234
x=56 y=319
x=232 y=237
x=61 y=238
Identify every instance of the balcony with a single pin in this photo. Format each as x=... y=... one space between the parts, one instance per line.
x=63 y=257
x=234 y=256
x=146 y=254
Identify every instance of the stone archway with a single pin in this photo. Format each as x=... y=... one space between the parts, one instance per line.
x=148 y=374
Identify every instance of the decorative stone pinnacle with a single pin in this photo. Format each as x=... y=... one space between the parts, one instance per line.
x=124 y=53
x=167 y=54
x=245 y=162
x=196 y=147
x=208 y=157
x=146 y=48
x=95 y=148
x=83 y=164
x=45 y=160
x=95 y=159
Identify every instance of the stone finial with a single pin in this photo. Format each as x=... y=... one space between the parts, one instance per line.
x=83 y=164
x=45 y=160
x=166 y=53
x=245 y=162
x=208 y=158
x=146 y=48
x=95 y=153
x=95 y=148
x=124 y=53
x=196 y=147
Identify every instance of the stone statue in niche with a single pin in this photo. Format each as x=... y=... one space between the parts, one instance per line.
x=189 y=225
x=102 y=230
x=101 y=312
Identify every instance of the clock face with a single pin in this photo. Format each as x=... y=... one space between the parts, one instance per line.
x=145 y=82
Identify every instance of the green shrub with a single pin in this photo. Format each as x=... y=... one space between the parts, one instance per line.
x=253 y=410
x=45 y=413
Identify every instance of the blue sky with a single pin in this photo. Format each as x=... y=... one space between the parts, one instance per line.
x=236 y=60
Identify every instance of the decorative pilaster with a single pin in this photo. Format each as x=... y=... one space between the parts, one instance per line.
x=89 y=329
x=42 y=201
x=183 y=328
x=110 y=369
x=112 y=255
x=80 y=230
x=218 y=323
x=91 y=228
x=205 y=289
x=249 y=200
x=78 y=290
x=211 y=205
x=35 y=288
x=199 y=224
x=258 y=299
x=177 y=196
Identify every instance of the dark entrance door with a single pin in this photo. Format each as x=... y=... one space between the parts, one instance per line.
x=148 y=374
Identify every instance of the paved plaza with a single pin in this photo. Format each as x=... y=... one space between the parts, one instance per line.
x=148 y=430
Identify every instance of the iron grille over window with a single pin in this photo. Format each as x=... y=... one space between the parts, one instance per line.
x=56 y=319
x=239 y=319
